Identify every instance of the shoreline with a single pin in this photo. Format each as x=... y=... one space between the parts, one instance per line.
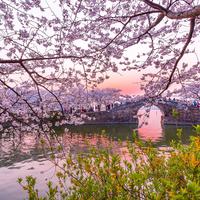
x=136 y=123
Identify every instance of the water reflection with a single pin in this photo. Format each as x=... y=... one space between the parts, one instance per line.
x=32 y=159
x=150 y=127
x=25 y=156
x=100 y=136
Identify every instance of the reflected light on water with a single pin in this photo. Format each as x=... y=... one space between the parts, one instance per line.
x=150 y=128
x=25 y=156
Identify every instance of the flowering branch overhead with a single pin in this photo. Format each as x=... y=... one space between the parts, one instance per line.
x=52 y=47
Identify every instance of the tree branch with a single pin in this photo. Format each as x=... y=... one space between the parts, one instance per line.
x=192 y=25
x=191 y=13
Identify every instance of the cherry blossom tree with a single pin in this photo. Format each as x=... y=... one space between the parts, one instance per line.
x=104 y=97
x=190 y=91
x=52 y=46
x=165 y=30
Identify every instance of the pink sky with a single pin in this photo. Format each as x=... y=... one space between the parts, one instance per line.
x=153 y=130
x=128 y=82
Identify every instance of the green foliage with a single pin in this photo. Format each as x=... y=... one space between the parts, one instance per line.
x=147 y=173
x=175 y=113
x=197 y=128
x=179 y=132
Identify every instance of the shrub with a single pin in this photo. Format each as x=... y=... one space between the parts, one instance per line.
x=147 y=173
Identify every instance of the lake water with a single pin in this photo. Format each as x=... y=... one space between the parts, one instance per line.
x=19 y=158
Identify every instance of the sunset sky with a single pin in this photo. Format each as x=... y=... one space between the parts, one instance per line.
x=129 y=82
